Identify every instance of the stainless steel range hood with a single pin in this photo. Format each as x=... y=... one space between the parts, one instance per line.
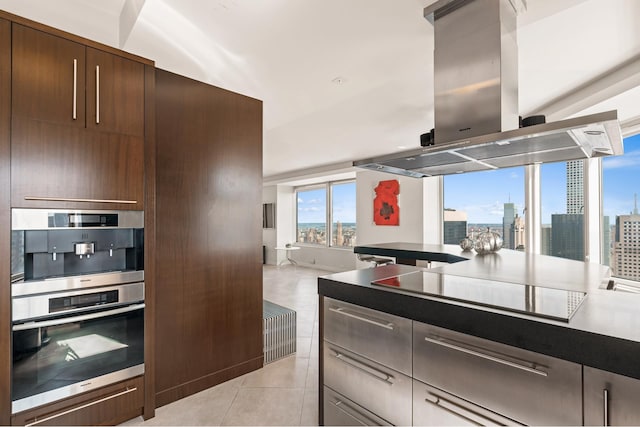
x=476 y=102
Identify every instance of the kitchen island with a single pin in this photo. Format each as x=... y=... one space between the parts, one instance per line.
x=602 y=334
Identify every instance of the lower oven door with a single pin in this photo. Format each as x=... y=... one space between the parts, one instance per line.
x=59 y=357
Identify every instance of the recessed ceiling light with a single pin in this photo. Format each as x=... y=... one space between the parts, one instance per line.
x=339 y=80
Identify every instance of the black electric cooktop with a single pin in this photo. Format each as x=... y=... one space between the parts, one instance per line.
x=556 y=304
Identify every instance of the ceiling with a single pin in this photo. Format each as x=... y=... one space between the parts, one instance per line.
x=343 y=80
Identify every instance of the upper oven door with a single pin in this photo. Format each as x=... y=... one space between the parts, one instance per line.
x=61 y=356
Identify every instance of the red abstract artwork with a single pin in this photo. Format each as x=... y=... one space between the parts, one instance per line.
x=385 y=204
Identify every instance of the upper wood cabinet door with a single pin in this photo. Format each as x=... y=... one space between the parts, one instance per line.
x=48 y=77
x=115 y=93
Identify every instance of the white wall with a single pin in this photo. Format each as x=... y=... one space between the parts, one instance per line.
x=420 y=203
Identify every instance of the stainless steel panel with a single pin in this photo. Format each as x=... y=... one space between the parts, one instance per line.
x=76 y=282
x=435 y=407
x=30 y=307
x=610 y=399
x=81 y=387
x=340 y=411
x=470 y=74
x=595 y=135
x=379 y=389
x=279 y=331
x=378 y=336
x=38 y=219
x=527 y=387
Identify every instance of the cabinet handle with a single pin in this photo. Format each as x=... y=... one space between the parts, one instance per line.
x=36 y=421
x=605 y=398
x=97 y=94
x=377 y=374
x=66 y=199
x=443 y=343
x=344 y=312
x=75 y=89
x=446 y=404
x=355 y=414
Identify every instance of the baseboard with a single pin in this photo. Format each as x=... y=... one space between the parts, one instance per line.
x=178 y=392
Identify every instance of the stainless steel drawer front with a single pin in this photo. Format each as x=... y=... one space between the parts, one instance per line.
x=340 y=411
x=379 y=389
x=527 y=387
x=376 y=335
x=610 y=399
x=434 y=407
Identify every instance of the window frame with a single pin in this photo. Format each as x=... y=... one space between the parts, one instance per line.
x=328 y=187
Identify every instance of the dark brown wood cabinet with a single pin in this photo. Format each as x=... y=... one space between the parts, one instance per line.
x=5 y=224
x=109 y=405
x=78 y=124
x=62 y=81
x=208 y=241
x=115 y=93
x=48 y=77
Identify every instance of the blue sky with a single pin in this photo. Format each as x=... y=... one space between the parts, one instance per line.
x=312 y=204
x=482 y=195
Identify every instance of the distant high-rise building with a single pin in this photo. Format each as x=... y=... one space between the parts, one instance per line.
x=339 y=236
x=507 y=223
x=567 y=236
x=517 y=233
x=625 y=260
x=455 y=226
x=606 y=241
x=575 y=187
x=545 y=240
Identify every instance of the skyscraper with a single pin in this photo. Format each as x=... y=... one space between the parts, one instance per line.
x=455 y=226
x=517 y=233
x=575 y=187
x=567 y=236
x=339 y=236
x=625 y=260
x=507 y=224
x=567 y=230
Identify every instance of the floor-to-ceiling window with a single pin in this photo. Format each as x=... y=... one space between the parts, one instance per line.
x=621 y=214
x=477 y=201
x=331 y=203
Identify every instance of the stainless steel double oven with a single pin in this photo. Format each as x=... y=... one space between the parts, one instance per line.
x=77 y=302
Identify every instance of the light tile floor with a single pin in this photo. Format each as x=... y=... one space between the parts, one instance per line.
x=284 y=392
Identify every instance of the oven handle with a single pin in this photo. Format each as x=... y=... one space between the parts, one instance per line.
x=74 y=319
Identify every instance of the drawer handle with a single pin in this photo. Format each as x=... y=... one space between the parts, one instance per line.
x=377 y=374
x=66 y=199
x=446 y=404
x=355 y=414
x=605 y=398
x=86 y=405
x=443 y=343
x=344 y=312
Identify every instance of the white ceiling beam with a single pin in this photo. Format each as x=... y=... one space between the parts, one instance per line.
x=128 y=17
x=617 y=80
x=630 y=126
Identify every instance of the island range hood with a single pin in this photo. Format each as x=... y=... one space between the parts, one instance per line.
x=477 y=126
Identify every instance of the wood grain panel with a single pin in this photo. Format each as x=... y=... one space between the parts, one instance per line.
x=121 y=94
x=109 y=405
x=62 y=161
x=5 y=225
x=150 y=241
x=209 y=267
x=43 y=78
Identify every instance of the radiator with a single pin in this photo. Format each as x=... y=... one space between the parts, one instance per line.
x=279 y=331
